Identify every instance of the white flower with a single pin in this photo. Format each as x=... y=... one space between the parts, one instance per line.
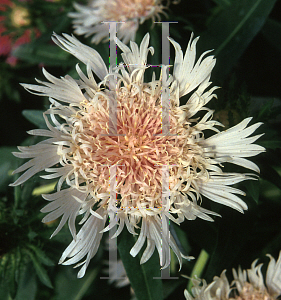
x=246 y=284
x=89 y=19
x=92 y=166
x=255 y=286
x=219 y=289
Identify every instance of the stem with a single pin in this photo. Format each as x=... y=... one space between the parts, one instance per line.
x=198 y=268
x=44 y=189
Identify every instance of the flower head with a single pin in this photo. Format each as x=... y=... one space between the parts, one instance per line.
x=90 y=20
x=156 y=176
x=20 y=16
x=242 y=287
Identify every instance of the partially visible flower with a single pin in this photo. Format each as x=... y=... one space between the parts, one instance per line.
x=88 y=20
x=19 y=17
x=94 y=164
x=247 y=285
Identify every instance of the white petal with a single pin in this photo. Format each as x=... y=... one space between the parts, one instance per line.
x=216 y=189
x=63 y=89
x=135 y=58
x=187 y=75
x=86 y=244
x=140 y=241
x=233 y=145
x=84 y=53
x=63 y=204
x=255 y=276
x=273 y=276
x=41 y=161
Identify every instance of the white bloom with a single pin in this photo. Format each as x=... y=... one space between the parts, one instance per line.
x=89 y=20
x=246 y=284
x=219 y=289
x=86 y=159
x=255 y=285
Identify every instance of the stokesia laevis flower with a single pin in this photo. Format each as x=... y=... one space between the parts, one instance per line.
x=83 y=155
x=88 y=20
x=241 y=288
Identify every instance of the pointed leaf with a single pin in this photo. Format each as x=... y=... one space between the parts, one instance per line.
x=265 y=110
x=42 y=256
x=231 y=238
x=67 y=286
x=10 y=274
x=231 y=31
x=253 y=189
x=27 y=284
x=42 y=54
x=141 y=276
x=40 y=271
x=4 y=291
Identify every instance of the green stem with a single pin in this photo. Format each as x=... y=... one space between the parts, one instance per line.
x=44 y=189
x=199 y=267
x=90 y=279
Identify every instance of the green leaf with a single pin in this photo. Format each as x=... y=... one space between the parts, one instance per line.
x=27 y=286
x=199 y=267
x=8 y=268
x=265 y=110
x=35 y=117
x=141 y=276
x=171 y=285
x=231 y=31
x=67 y=286
x=35 y=53
x=41 y=256
x=253 y=189
x=4 y=291
x=11 y=273
x=40 y=271
x=231 y=238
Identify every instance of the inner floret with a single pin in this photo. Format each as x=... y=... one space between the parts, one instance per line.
x=139 y=150
x=120 y=10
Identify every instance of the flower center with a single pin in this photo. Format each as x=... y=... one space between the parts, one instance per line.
x=249 y=292
x=122 y=10
x=138 y=150
x=20 y=16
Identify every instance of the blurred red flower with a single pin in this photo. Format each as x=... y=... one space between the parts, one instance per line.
x=10 y=41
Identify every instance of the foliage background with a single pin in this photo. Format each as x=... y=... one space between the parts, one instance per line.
x=246 y=38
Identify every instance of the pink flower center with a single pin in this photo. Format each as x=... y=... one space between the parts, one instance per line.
x=122 y=10
x=138 y=151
